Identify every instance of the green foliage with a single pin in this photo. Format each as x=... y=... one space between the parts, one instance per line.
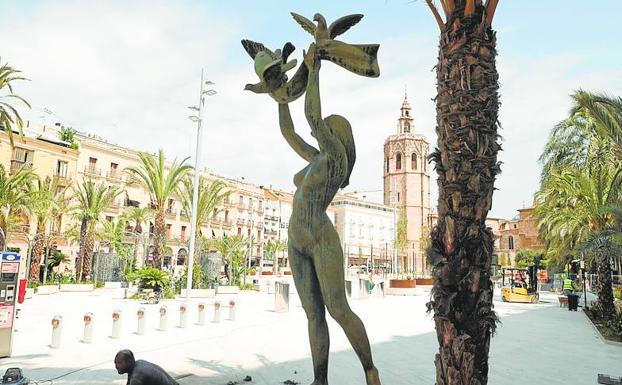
x=99 y=284
x=199 y=280
x=14 y=199
x=503 y=260
x=232 y=250
x=9 y=115
x=528 y=257
x=617 y=293
x=246 y=286
x=401 y=235
x=67 y=134
x=150 y=278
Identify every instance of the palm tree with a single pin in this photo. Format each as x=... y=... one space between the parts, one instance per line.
x=467 y=107
x=136 y=217
x=9 y=116
x=46 y=201
x=161 y=182
x=14 y=197
x=581 y=185
x=232 y=251
x=272 y=248
x=92 y=200
x=211 y=196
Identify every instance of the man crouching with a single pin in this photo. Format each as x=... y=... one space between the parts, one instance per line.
x=141 y=372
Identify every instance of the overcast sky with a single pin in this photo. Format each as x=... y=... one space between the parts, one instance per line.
x=127 y=70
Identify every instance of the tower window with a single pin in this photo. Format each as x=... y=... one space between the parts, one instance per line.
x=413 y=161
x=407 y=127
x=398 y=161
x=511 y=242
x=387 y=164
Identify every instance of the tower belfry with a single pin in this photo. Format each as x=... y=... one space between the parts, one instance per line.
x=407 y=186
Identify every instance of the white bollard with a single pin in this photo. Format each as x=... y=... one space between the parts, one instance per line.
x=216 y=311
x=89 y=321
x=183 y=315
x=163 y=318
x=57 y=329
x=202 y=313
x=140 y=328
x=231 y=310
x=116 y=324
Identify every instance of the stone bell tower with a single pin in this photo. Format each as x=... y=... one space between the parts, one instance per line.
x=407 y=187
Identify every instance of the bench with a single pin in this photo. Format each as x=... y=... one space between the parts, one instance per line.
x=563 y=301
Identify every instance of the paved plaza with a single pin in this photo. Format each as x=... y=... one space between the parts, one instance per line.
x=535 y=344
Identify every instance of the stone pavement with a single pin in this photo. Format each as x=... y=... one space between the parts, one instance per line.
x=535 y=344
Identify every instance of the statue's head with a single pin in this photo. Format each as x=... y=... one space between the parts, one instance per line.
x=124 y=361
x=343 y=131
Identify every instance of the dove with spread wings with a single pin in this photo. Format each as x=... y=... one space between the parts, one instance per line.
x=272 y=67
x=361 y=59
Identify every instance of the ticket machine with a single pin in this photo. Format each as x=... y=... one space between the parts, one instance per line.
x=9 y=276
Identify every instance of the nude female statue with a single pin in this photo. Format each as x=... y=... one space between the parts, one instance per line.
x=314 y=247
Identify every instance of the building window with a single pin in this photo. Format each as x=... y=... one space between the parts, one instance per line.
x=413 y=161
x=168 y=230
x=113 y=169
x=387 y=164
x=239 y=231
x=183 y=233
x=109 y=218
x=61 y=169
x=241 y=200
x=226 y=215
x=398 y=196
x=92 y=164
x=398 y=161
x=406 y=125
x=511 y=242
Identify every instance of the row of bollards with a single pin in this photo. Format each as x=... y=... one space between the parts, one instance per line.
x=117 y=319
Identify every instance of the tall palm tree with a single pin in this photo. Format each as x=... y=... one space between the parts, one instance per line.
x=9 y=116
x=211 y=196
x=273 y=248
x=47 y=200
x=14 y=197
x=232 y=251
x=92 y=199
x=467 y=107
x=136 y=217
x=161 y=182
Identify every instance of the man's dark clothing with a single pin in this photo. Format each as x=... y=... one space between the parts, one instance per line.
x=146 y=373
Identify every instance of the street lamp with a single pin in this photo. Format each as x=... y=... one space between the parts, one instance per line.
x=195 y=187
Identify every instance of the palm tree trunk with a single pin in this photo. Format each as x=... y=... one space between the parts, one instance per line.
x=3 y=234
x=466 y=163
x=37 y=252
x=87 y=260
x=80 y=259
x=158 y=237
x=605 y=303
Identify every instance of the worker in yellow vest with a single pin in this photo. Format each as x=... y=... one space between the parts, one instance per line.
x=568 y=286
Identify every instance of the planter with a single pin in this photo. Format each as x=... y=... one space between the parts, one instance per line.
x=228 y=290
x=47 y=289
x=267 y=273
x=199 y=293
x=82 y=287
x=425 y=281
x=288 y=272
x=403 y=283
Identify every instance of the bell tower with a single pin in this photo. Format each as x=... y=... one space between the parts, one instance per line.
x=406 y=175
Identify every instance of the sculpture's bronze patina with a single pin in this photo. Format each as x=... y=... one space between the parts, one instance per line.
x=314 y=247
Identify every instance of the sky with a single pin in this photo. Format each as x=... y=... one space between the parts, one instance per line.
x=127 y=70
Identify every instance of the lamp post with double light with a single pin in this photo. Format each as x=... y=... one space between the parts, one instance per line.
x=198 y=119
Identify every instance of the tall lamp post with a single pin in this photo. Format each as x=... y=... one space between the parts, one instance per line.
x=195 y=187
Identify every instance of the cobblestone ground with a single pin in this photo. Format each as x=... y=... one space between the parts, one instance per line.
x=535 y=344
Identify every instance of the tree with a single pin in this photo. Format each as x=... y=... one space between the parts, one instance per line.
x=136 y=217
x=14 y=197
x=211 y=196
x=401 y=232
x=161 y=182
x=581 y=184
x=467 y=107
x=272 y=248
x=46 y=201
x=9 y=116
x=232 y=251
x=528 y=257
x=92 y=199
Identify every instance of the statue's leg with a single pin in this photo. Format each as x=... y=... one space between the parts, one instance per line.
x=310 y=294
x=328 y=261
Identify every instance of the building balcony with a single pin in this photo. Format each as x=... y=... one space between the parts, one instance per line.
x=92 y=171
x=271 y=218
x=240 y=221
x=241 y=206
x=227 y=223
x=63 y=180
x=170 y=213
x=259 y=210
x=17 y=165
x=115 y=176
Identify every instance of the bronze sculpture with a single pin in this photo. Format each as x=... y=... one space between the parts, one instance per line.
x=314 y=248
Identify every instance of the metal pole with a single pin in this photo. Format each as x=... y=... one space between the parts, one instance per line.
x=195 y=194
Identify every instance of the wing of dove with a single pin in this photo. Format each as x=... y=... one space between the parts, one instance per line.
x=305 y=23
x=252 y=48
x=343 y=24
x=288 y=48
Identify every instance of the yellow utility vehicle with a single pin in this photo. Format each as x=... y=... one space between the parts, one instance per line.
x=521 y=285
